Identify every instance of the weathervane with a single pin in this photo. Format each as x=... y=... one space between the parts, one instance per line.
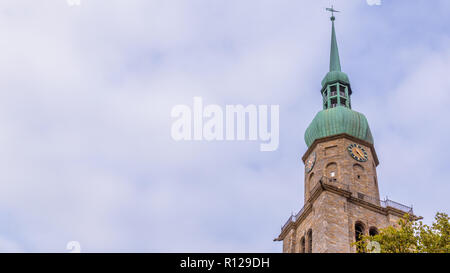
x=332 y=12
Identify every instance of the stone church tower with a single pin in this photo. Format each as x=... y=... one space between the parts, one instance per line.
x=342 y=199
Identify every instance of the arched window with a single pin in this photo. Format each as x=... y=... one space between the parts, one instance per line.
x=373 y=231
x=331 y=171
x=302 y=245
x=359 y=232
x=309 y=241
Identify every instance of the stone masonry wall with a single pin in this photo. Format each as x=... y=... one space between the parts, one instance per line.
x=333 y=215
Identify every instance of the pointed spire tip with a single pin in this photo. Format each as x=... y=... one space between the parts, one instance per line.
x=335 y=64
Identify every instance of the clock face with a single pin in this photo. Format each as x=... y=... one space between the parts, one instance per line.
x=357 y=152
x=309 y=165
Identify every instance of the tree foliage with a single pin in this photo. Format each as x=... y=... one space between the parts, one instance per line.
x=410 y=237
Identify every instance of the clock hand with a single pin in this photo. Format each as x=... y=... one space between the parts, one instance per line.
x=360 y=153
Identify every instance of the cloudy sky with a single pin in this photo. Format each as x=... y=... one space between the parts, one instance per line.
x=86 y=93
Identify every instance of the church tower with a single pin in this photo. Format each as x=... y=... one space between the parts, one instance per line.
x=342 y=199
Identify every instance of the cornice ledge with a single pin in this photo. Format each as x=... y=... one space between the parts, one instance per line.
x=343 y=135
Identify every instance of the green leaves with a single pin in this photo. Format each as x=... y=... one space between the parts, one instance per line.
x=435 y=239
x=410 y=237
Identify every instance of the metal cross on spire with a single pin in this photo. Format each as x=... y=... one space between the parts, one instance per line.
x=335 y=64
x=332 y=10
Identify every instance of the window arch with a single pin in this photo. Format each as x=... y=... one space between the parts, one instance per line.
x=331 y=171
x=302 y=245
x=309 y=235
x=359 y=232
x=373 y=231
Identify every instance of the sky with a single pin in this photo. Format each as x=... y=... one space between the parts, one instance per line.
x=86 y=93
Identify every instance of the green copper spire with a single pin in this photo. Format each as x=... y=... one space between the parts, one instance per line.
x=335 y=64
x=335 y=74
x=337 y=116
